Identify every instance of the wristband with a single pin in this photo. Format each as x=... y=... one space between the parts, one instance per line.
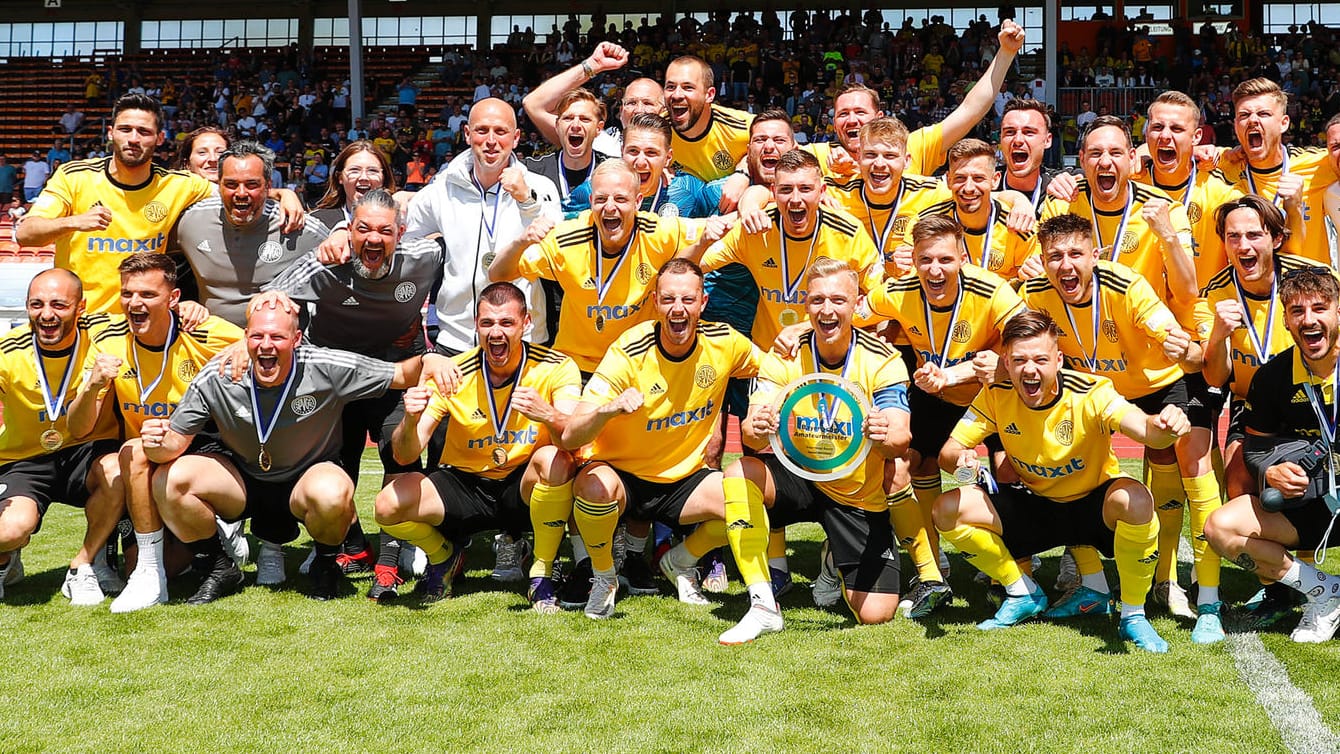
x=586 y=69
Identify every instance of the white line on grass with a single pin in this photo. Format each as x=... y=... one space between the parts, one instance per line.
x=1289 y=708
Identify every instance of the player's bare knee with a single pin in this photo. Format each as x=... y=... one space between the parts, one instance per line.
x=945 y=513
x=873 y=609
x=749 y=468
x=18 y=521
x=1130 y=501
x=553 y=465
x=590 y=485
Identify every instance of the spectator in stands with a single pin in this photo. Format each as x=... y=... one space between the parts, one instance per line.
x=358 y=168
x=315 y=176
x=407 y=95
x=9 y=176
x=35 y=174
x=72 y=119
x=59 y=153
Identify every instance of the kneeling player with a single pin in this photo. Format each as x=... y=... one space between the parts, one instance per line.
x=1056 y=426
x=514 y=397
x=1292 y=397
x=277 y=457
x=651 y=408
x=852 y=510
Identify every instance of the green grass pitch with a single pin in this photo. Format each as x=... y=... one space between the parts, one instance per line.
x=271 y=671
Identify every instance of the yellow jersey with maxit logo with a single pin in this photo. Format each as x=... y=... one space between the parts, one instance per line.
x=995 y=247
x=1126 y=344
x=889 y=224
x=163 y=372
x=604 y=290
x=475 y=442
x=142 y=218
x=1062 y=450
x=1207 y=193
x=666 y=439
x=778 y=263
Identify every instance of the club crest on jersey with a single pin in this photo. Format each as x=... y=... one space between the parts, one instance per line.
x=1065 y=432
x=187 y=370
x=644 y=273
x=270 y=252
x=996 y=260
x=1110 y=330
x=900 y=224
x=722 y=160
x=1129 y=242
x=303 y=405
x=405 y=291
x=1194 y=212
x=705 y=376
x=962 y=332
x=155 y=211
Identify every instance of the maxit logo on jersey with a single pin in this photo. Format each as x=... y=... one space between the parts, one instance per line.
x=527 y=436
x=682 y=418
x=1049 y=472
x=109 y=245
x=158 y=409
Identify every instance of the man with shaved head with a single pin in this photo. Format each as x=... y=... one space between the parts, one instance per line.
x=40 y=460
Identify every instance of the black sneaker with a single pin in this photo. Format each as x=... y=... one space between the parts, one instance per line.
x=636 y=576
x=324 y=578
x=576 y=589
x=927 y=596
x=223 y=580
x=386 y=583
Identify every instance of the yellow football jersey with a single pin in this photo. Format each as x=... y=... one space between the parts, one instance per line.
x=953 y=334
x=474 y=441
x=1139 y=248
x=604 y=293
x=719 y=149
x=25 y=410
x=142 y=219
x=889 y=224
x=778 y=264
x=666 y=439
x=1207 y=192
x=1265 y=313
x=872 y=365
x=1314 y=165
x=993 y=247
x=1132 y=324
x=164 y=372
x=1062 y=451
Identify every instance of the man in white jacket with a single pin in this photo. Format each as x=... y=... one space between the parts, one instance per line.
x=484 y=202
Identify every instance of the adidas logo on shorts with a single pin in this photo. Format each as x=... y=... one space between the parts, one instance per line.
x=351 y=301
x=770 y=263
x=203 y=246
x=1011 y=429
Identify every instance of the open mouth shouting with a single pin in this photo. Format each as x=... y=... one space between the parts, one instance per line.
x=267 y=366
x=612 y=225
x=1166 y=157
x=828 y=325
x=678 y=325
x=498 y=350
x=1019 y=161
x=679 y=114
x=49 y=331
x=1250 y=264
x=937 y=289
x=881 y=180
x=1314 y=339
x=1032 y=387
x=1256 y=139
x=1107 y=181
x=139 y=319
x=1070 y=287
x=574 y=141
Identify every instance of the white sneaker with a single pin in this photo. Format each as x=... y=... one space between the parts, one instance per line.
x=827 y=587
x=1067 y=577
x=1320 y=618
x=1171 y=595
x=81 y=586
x=686 y=581
x=305 y=567
x=511 y=555
x=270 y=565
x=146 y=587
x=413 y=561
x=604 y=590
x=234 y=541
x=758 y=621
x=109 y=581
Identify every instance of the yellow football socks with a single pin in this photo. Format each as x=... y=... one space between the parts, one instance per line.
x=1135 y=548
x=910 y=528
x=987 y=551
x=550 y=508
x=1203 y=499
x=423 y=536
x=597 y=522
x=747 y=528
x=1165 y=483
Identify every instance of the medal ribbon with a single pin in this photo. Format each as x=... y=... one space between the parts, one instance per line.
x=789 y=286
x=1121 y=227
x=603 y=282
x=265 y=427
x=881 y=238
x=53 y=402
x=563 y=175
x=1251 y=181
x=942 y=356
x=162 y=368
x=499 y=420
x=986 y=240
x=829 y=412
x=490 y=226
x=1096 y=303
x=1260 y=343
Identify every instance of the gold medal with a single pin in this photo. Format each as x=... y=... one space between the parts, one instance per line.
x=488 y=259
x=51 y=440
x=600 y=323
x=499 y=456
x=788 y=317
x=264 y=460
